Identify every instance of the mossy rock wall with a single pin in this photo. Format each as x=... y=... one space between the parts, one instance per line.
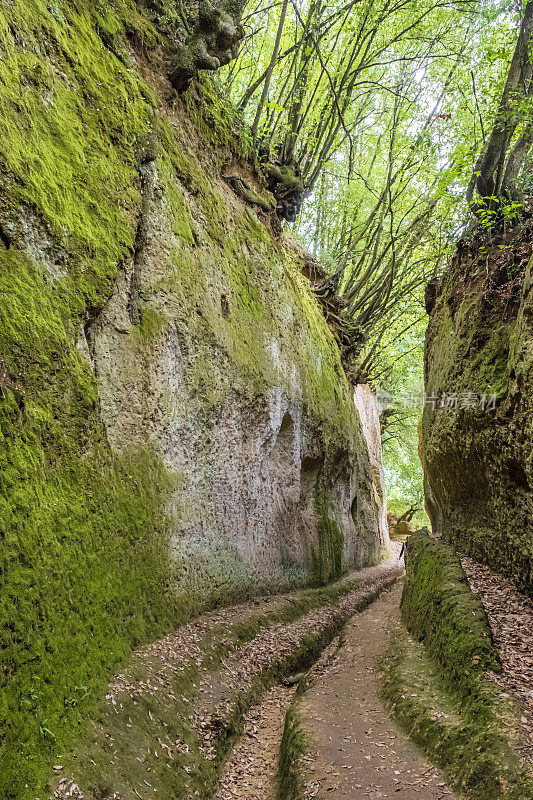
x=438 y=680
x=440 y=610
x=176 y=429
x=478 y=462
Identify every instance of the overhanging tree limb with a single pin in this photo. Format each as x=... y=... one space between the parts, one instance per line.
x=270 y=69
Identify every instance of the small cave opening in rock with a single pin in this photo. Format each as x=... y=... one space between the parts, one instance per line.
x=353 y=508
x=517 y=474
x=286 y=431
x=309 y=471
x=282 y=454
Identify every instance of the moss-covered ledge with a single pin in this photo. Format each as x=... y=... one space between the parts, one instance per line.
x=440 y=610
x=436 y=679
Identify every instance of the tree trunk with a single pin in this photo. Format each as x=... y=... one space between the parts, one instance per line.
x=489 y=172
x=270 y=70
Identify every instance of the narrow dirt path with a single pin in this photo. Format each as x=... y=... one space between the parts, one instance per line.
x=170 y=656
x=251 y=771
x=166 y=718
x=358 y=751
x=219 y=694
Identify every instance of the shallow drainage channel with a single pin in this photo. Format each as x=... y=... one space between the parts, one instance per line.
x=250 y=773
x=251 y=768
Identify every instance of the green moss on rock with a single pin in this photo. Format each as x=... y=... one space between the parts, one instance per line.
x=289 y=785
x=439 y=608
x=326 y=556
x=477 y=464
x=85 y=571
x=71 y=113
x=473 y=750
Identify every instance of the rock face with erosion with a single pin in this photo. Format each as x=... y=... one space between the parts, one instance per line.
x=237 y=384
x=368 y=407
x=477 y=443
x=176 y=427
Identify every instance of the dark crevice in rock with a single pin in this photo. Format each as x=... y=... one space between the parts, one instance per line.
x=311 y=464
x=88 y=332
x=517 y=474
x=224 y=305
x=309 y=472
x=4 y=239
x=340 y=466
x=431 y=293
x=148 y=181
x=453 y=303
x=353 y=509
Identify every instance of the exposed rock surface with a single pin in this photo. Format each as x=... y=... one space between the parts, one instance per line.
x=210 y=347
x=239 y=386
x=368 y=407
x=477 y=440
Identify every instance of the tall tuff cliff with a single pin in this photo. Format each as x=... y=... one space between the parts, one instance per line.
x=367 y=405
x=477 y=442
x=176 y=428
